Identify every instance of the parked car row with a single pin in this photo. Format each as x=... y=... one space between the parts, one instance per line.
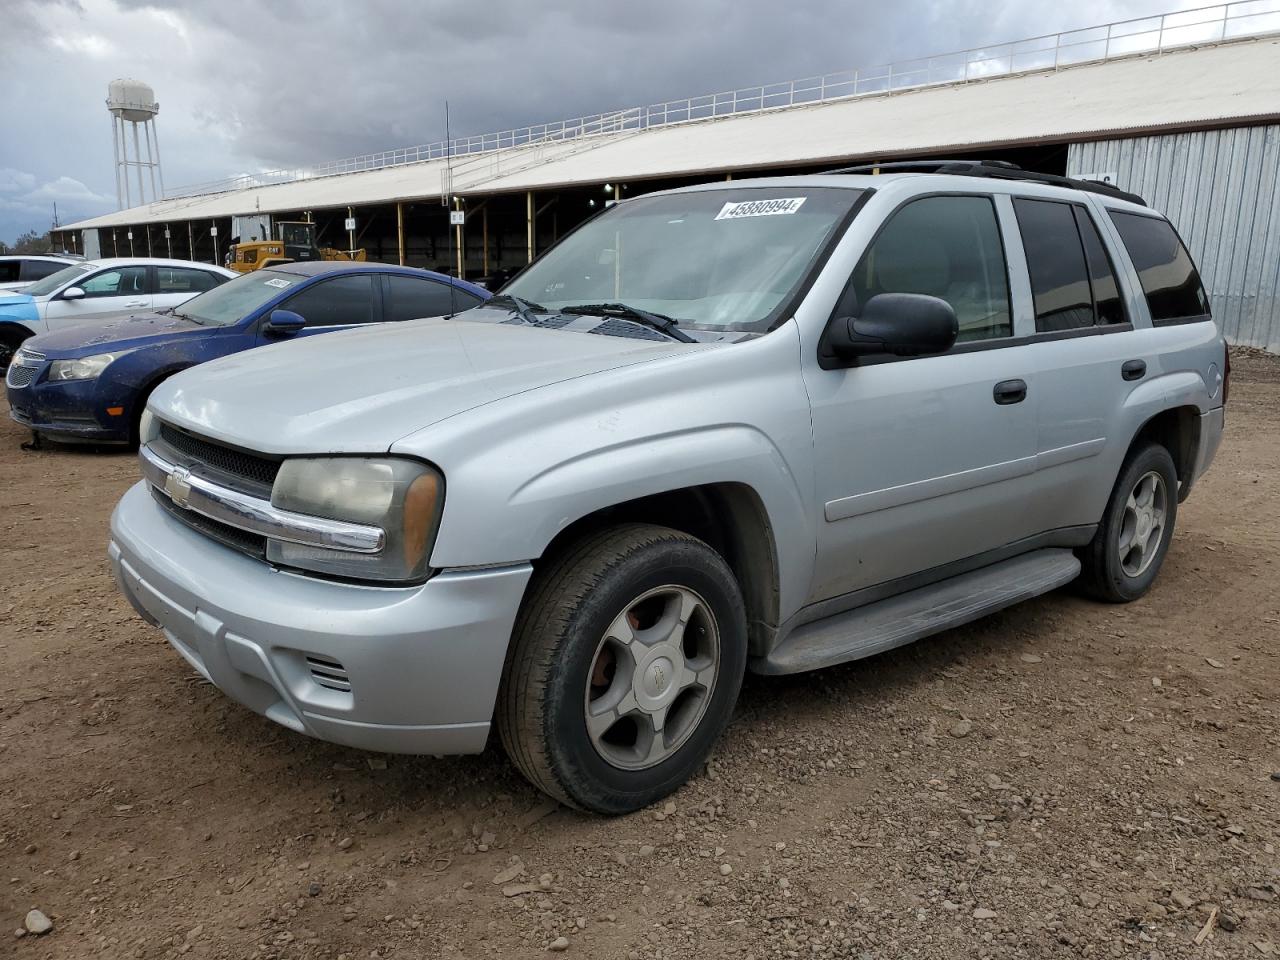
x=771 y=425
x=117 y=329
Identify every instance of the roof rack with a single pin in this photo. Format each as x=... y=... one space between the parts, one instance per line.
x=994 y=170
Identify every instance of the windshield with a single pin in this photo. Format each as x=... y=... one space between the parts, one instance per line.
x=55 y=281
x=234 y=300
x=713 y=260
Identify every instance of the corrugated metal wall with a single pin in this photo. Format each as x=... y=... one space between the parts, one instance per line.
x=1221 y=189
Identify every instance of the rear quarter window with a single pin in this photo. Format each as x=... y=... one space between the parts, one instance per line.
x=1170 y=281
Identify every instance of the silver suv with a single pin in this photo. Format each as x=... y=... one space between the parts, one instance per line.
x=886 y=405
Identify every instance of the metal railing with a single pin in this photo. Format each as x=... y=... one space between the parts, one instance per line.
x=1125 y=38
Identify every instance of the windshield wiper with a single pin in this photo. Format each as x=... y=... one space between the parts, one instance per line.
x=655 y=321
x=522 y=308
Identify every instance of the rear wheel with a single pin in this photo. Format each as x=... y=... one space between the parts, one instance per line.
x=627 y=661
x=1126 y=553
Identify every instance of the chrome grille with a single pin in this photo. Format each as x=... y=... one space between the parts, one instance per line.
x=248 y=471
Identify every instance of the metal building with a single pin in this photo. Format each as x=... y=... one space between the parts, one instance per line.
x=1221 y=189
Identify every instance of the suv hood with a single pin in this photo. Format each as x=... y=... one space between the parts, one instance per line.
x=116 y=333
x=361 y=391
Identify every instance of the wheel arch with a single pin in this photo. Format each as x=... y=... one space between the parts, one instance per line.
x=730 y=517
x=145 y=388
x=1177 y=429
x=16 y=330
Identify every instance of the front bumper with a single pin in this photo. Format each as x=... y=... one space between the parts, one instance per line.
x=400 y=670
x=70 y=411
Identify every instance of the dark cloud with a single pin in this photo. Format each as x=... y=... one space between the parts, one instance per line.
x=246 y=85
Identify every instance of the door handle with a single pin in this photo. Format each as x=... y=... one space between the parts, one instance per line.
x=1009 y=391
x=1133 y=369
x=135 y=303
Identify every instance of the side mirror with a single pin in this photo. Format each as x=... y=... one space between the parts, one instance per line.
x=903 y=324
x=284 y=323
x=73 y=293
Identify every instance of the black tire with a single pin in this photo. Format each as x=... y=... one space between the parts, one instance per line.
x=558 y=638
x=10 y=341
x=1104 y=576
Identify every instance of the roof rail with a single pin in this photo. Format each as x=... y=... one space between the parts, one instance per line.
x=994 y=170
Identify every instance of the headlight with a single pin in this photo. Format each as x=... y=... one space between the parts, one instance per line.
x=148 y=430
x=86 y=368
x=403 y=497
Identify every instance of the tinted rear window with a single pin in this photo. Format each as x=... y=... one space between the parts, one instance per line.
x=1169 y=278
x=1106 y=293
x=411 y=297
x=1056 y=262
x=34 y=270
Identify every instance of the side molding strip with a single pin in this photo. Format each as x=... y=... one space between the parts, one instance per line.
x=889 y=497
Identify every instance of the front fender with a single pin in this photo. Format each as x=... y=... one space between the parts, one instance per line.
x=520 y=471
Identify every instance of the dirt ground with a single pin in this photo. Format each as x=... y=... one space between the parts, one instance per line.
x=1065 y=779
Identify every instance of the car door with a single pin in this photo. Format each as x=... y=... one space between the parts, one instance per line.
x=108 y=292
x=1089 y=410
x=922 y=462
x=337 y=303
x=1084 y=338
x=406 y=297
x=177 y=285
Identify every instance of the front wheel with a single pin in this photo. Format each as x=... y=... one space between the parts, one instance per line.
x=1125 y=555
x=627 y=661
x=9 y=344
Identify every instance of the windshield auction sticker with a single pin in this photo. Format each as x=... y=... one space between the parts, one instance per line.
x=277 y=282
x=760 y=208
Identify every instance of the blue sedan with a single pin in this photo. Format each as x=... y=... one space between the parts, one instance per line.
x=90 y=383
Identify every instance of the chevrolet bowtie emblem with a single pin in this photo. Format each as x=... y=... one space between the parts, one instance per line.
x=178 y=485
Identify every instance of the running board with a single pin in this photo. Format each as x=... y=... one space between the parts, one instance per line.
x=907 y=617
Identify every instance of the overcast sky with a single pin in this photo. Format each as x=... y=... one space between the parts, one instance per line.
x=246 y=85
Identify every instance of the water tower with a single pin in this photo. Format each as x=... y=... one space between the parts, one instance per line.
x=133 y=102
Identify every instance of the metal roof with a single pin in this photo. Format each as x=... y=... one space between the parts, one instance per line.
x=1220 y=84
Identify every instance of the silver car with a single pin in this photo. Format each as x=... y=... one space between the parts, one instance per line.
x=771 y=425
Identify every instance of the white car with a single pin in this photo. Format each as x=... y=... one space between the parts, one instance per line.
x=22 y=270
x=90 y=289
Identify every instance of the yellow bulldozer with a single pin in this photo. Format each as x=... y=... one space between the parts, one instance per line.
x=295 y=242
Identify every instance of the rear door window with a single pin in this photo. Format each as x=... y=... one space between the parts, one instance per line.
x=409 y=298
x=33 y=270
x=335 y=302
x=1169 y=279
x=1056 y=264
x=1102 y=278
